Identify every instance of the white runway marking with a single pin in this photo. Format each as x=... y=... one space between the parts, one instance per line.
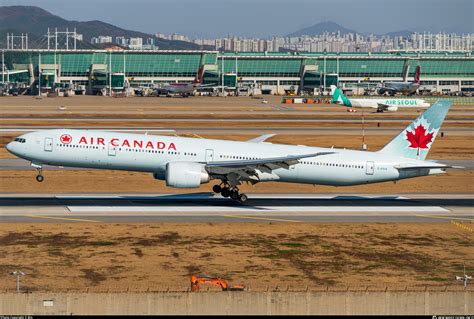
x=263 y=210
x=253 y=196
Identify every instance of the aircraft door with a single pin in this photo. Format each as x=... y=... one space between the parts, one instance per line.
x=370 y=168
x=48 y=144
x=209 y=155
x=112 y=150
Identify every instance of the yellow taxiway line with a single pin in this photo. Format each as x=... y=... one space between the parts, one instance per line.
x=445 y=217
x=64 y=218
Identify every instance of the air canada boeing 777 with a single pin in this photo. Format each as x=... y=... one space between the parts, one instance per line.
x=190 y=162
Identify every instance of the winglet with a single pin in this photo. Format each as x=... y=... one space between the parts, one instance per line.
x=261 y=138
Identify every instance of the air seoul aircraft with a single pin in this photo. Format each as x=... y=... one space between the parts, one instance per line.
x=190 y=162
x=389 y=104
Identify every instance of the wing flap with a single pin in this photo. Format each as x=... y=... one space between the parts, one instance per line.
x=280 y=161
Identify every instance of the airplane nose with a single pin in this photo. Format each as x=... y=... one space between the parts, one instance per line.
x=10 y=147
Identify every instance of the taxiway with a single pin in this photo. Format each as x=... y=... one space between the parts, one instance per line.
x=207 y=207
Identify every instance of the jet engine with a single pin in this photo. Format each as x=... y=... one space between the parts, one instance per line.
x=392 y=108
x=160 y=176
x=186 y=175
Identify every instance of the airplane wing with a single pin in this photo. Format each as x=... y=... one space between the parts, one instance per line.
x=248 y=170
x=261 y=138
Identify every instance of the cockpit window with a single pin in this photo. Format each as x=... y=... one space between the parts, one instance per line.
x=19 y=139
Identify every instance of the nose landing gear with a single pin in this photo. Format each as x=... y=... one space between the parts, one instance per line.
x=39 y=168
x=229 y=191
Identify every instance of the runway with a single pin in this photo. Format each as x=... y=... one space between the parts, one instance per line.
x=207 y=207
x=21 y=164
x=451 y=131
x=303 y=119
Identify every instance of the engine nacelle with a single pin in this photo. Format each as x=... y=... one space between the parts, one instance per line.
x=392 y=108
x=186 y=175
x=160 y=176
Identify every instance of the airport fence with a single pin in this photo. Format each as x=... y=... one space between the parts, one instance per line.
x=329 y=302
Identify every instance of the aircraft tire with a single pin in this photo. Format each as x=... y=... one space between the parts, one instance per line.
x=243 y=198
x=39 y=178
x=235 y=195
x=216 y=189
x=225 y=192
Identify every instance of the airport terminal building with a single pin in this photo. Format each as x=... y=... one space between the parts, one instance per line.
x=272 y=72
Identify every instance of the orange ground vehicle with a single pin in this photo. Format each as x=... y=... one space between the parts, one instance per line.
x=201 y=280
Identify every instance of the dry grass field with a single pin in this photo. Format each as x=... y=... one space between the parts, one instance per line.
x=80 y=256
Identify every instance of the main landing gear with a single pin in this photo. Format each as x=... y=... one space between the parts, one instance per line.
x=228 y=191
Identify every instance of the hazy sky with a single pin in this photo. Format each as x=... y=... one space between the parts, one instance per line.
x=263 y=18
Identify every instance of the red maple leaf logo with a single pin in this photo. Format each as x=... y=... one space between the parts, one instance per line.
x=419 y=139
x=66 y=138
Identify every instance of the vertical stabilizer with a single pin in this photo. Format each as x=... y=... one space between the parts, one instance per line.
x=198 y=78
x=339 y=98
x=417 y=138
x=417 y=75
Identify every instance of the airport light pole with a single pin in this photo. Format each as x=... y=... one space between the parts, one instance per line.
x=110 y=73
x=17 y=274
x=222 y=75
x=3 y=67
x=465 y=278
x=364 y=146
x=39 y=74
x=324 y=85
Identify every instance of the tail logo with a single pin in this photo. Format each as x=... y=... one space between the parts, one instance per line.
x=417 y=75
x=419 y=137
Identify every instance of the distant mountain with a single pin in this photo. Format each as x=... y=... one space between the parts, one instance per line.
x=35 y=21
x=320 y=28
x=401 y=33
x=331 y=27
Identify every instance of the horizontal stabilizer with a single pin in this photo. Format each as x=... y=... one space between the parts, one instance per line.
x=403 y=167
x=261 y=138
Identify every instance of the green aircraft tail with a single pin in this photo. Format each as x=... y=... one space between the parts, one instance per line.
x=339 y=98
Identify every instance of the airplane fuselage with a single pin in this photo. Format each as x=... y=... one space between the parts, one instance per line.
x=398 y=103
x=179 y=88
x=150 y=153
x=400 y=87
